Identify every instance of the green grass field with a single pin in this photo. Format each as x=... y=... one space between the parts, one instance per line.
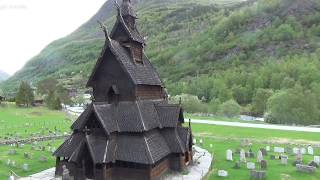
x=25 y=121
x=223 y=138
x=34 y=163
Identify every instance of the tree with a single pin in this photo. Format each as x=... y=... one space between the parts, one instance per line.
x=190 y=103
x=53 y=101
x=25 y=94
x=293 y=106
x=213 y=106
x=47 y=85
x=259 y=101
x=230 y=108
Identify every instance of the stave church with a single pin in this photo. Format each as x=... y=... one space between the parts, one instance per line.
x=129 y=131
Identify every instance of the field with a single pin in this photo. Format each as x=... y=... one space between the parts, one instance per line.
x=21 y=123
x=32 y=122
x=223 y=138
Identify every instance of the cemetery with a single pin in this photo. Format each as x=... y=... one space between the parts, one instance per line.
x=32 y=128
x=27 y=159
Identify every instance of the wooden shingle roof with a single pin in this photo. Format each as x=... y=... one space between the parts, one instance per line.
x=141 y=74
x=132 y=116
x=143 y=148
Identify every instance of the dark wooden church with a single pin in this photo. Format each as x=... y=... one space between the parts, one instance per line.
x=129 y=131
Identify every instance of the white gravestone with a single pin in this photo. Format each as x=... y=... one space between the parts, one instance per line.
x=278 y=149
x=243 y=156
x=229 y=155
x=310 y=150
x=284 y=159
x=251 y=165
x=267 y=148
x=316 y=159
x=194 y=141
x=295 y=150
x=222 y=173
x=259 y=156
x=303 y=151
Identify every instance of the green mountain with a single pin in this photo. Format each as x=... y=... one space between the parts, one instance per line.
x=3 y=76
x=214 y=49
x=164 y=22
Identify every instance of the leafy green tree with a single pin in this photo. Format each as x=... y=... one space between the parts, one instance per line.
x=230 y=108
x=293 y=106
x=259 y=101
x=47 y=85
x=284 y=33
x=213 y=106
x=25 y=94
x=190 y=103
x=53 y=101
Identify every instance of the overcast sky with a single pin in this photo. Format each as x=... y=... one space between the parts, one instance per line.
x=27 y=26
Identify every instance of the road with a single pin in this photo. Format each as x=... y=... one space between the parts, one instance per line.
x=251 y=125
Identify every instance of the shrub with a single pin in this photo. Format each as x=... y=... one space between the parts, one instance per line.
x=230 y=108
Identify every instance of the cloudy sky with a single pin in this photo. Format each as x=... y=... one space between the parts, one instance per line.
x=27 y=26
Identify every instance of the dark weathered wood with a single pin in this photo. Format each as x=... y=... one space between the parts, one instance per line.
x=129 y=131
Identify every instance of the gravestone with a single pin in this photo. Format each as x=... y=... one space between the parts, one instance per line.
x=251 y=165
x=8 y=162
x=247 y=154
x=25 y=167
x=222 y=173
x=272 y=157
x=298 y=158
x=284 y=159
x=316 y=159
x=26 y=155
x=242 y=156
x=314 y=164
x=305 y=168
x=229 y=155
x=295 y=150
x=268 y=148
x=264 y=151
x=259 y=156
x=237 y=165
x=278 y=150
x=263 y=164
x=12 y=152
x=258 y=175
x=310 y=150
x=303 y=151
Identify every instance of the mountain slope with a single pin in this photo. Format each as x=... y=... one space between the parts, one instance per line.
x=216 y=50
x=3 y=76
x=71 y=58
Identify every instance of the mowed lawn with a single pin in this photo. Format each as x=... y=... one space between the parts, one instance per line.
x=24 y=123
x=34 y=163
x=223 y=138
x=36 y=121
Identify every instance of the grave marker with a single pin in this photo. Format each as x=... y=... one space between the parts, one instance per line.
x=251 y=165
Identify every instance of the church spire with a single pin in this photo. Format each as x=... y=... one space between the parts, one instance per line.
x=127 y=9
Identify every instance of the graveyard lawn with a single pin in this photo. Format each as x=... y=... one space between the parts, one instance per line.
x=34 y=163
x=223 y=138
x=26 y=122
